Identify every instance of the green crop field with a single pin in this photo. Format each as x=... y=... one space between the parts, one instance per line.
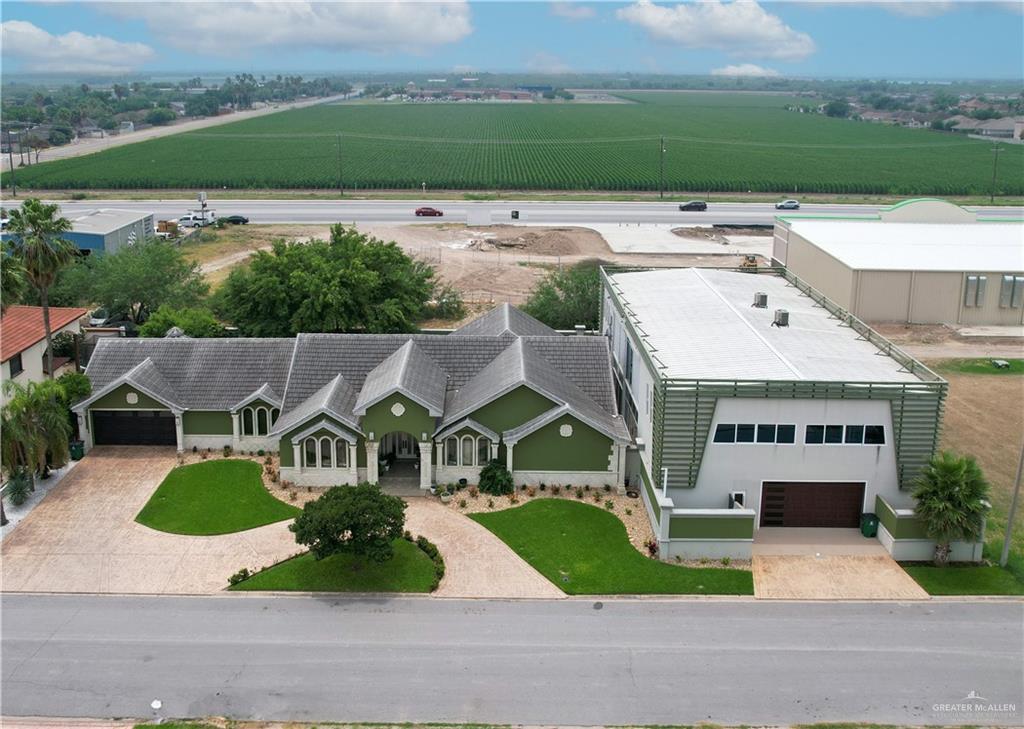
x=721 y=142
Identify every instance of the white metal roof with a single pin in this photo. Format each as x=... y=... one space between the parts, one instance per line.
x=106 y=220
x=875 y=245
x=699 y=324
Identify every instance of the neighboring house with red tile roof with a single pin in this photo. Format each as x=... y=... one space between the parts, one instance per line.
x=23 y=341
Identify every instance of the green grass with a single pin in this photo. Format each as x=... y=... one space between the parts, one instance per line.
x=409 y=571
x=965 y=580
x=213 y=497
x=982 y=366
x=585 y=551
x=716 y=142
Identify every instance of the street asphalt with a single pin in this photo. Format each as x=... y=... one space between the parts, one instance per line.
x=483 y=212
x=575 y=662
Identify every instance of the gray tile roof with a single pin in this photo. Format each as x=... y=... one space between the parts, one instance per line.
x=332 y=372
x=506 y=319
x=409 y=370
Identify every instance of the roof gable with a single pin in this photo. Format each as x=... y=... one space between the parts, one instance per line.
x=336 y=399
x=409 y=371
x=506 y=319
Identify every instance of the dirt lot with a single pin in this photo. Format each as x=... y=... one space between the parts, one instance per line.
x=938 y=342
x=985 y=418
x=488 y=264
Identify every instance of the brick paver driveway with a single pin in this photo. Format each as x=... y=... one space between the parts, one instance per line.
x=83 y=537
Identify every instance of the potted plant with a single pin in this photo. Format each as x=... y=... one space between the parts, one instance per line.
x=445 y=494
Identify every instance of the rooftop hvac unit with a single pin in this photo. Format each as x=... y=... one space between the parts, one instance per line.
x=760 y=300
x=781 y=318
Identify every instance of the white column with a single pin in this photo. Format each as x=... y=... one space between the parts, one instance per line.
x=494 y=450
x=426 y=461
x=353 y=464
x=440 y=454
x=179 y=432
x=508 y=456
x=620 y=464
x=236 y=431
x=372 y=474
x=297 y=456
x=83 y=430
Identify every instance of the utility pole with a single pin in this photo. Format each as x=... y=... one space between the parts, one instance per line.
x=1005 y=556
x=661 y=176
x=996 y=149
x=10 y=159
x=341 y=184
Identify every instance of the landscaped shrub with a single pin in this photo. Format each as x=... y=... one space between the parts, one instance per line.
x=462 y=503
x=651 y=545
x=495 y=479
x=555 y=489
x=431 y=550
x=260 y=452
x=579 y=493
x=531 y=492
x=543 y=486
x=240 y=576
x=607 y=488
x=19 y=487
x=609 y=504
x=474 y=491
x=227 y=451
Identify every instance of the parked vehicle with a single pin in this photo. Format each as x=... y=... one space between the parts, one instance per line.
x=788 y=205
x=697 y=206
x=197 y=219
x=429 y=212
x=98 y=318
x=235 y=220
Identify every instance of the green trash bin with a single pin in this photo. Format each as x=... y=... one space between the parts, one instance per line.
x=869 y=525
x=76 y=449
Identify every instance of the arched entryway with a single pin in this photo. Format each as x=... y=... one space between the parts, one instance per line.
x=402 y=463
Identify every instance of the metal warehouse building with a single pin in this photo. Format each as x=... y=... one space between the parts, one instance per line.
x=919 y=262
x=106 y=231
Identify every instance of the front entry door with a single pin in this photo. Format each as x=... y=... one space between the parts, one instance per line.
x=406 y=446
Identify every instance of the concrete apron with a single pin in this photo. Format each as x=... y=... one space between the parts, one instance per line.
x=827 y=564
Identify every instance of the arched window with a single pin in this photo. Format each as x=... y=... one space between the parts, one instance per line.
x=340 y=453
x=467 y=450
x=309 y=452
x=273 y=415
x=261 y=421
x=483 y=451
x=247 y=421
x=451 y=451
x=326 y=450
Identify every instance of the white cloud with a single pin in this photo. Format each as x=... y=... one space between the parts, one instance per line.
x=572 y=10
x=229 y=28
x=544 y=62
x=40 y=51
x=744 y=69
x=909 y=8
x=737 y=28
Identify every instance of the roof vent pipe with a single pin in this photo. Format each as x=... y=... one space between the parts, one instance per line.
x=781 y=318
x=760 y=300
x=580 y=328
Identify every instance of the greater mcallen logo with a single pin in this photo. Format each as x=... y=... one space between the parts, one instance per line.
x=974 y=703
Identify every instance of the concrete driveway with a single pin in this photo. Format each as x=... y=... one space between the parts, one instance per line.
x=83 y=537
x=827 y=564
x=477 y=563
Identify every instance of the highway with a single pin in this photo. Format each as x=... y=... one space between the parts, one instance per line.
x=484 y=212
x=534 y=662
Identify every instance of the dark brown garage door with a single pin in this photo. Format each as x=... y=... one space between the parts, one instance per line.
x=133 y=427
x=786 y=504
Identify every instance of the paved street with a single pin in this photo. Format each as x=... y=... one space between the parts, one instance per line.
x=481 y=213
x=534 y=662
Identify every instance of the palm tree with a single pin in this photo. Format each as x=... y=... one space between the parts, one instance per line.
x=12 y=278
x=35 y=234
x=952 y=501
x=34 y=429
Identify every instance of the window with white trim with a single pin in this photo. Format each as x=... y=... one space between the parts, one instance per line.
x=466 y=450
x=257 y=420
x=451 y=451
x=483 y=451
x=324 y=452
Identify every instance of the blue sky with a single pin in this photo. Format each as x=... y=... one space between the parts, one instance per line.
x=828 y=38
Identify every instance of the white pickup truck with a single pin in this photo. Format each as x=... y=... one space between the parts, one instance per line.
x=198 y=219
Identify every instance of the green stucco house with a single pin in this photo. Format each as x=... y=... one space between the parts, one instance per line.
x=345 y=408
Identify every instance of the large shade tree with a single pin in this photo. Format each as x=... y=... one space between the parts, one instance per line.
x=359 y=520
x=952 y=502
x=348 y=283
x=567 y=297
x=36 y=230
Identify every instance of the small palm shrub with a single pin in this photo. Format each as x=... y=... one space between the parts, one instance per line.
x=952 y=501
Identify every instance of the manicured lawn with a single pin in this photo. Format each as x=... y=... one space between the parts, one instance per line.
x=982 y=366
x=965 y=580
x=585 y=551
x=409 y=571
x=213 y=497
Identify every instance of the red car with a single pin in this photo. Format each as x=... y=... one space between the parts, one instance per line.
x=429 y=212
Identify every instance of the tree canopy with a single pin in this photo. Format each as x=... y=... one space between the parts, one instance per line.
x=360 y=520
x=349 y=283
x=952 y=501
x=568 y=297
x=194 y=322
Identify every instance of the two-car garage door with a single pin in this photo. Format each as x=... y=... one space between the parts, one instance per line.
x=800 y=504
x=133 y=427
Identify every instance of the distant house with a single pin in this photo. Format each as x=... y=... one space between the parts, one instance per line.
x=1006 y=128
x=23 y=342
x=126 y=126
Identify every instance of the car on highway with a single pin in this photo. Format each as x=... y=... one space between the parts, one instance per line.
x=234 y=220
x=694 y=206
x=788 y=205
x=428 y=212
